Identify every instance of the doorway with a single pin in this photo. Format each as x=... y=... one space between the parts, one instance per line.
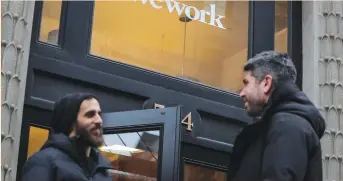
x=149 y=145
x=143 y=145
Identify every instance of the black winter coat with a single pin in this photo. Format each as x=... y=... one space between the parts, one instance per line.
x=59 y=160
x=284 y=145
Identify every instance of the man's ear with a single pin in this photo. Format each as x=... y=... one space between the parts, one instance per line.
x=268 y=84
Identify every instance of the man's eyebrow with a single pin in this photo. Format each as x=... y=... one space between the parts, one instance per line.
x=92 y=111
x=89 y=111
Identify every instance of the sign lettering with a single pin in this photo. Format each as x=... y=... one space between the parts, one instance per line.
x=199 y=15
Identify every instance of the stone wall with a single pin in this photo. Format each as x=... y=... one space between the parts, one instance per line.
x=16 y=25
x=323 y=76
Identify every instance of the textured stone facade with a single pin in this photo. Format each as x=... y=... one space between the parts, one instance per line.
x=323 y=76
x=16 y=25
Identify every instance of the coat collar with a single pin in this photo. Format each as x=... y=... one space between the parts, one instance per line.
x=279 y=96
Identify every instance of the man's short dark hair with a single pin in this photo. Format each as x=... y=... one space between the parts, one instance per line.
x=66 y=110
x=278 y=65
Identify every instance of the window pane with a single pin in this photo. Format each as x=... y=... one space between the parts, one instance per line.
x=281 y=26
x=50 y=22
x=37 y=138
x=134 y=155
x=194 y=172
x=210 y=47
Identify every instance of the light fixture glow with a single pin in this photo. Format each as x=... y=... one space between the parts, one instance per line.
x=120 y=148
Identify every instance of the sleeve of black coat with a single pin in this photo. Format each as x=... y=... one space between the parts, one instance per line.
x=38 y=168
x=285 y=156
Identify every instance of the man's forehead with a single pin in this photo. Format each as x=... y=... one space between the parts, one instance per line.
x=247 y=75
x=90 y=104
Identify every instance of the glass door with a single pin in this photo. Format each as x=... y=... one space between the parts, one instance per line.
x=143 y=145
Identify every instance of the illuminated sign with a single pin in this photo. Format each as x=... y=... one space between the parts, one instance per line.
x=180 y=8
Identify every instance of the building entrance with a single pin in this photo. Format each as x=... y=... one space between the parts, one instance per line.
x=147 y=145
x=143 y=145
x=168 y=64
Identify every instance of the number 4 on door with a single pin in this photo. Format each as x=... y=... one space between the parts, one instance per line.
x=188 y=121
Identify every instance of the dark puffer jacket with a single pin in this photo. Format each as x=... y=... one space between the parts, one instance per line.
x=60 y=160
x=284 y=145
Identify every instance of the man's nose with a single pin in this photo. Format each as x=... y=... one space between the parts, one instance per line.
x=242 y=93
x=98 y=120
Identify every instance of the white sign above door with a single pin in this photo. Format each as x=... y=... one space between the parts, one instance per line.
x=199 y=15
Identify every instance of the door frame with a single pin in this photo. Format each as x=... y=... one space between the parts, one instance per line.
x=167 y=120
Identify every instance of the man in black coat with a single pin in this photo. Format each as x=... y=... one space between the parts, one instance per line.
x=283 y=143
x=71 y=153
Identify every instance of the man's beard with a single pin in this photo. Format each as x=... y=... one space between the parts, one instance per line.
x=88 y=139
x=255 y=108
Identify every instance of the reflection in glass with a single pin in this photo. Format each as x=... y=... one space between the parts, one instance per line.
x=134 y=155
x=198 y=173
x=281 y=26
x=50 y=21
x=204 y=42
x=37 y=138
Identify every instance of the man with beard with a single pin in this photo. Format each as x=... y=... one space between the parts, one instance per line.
x=283 y=143
x=71 y=153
